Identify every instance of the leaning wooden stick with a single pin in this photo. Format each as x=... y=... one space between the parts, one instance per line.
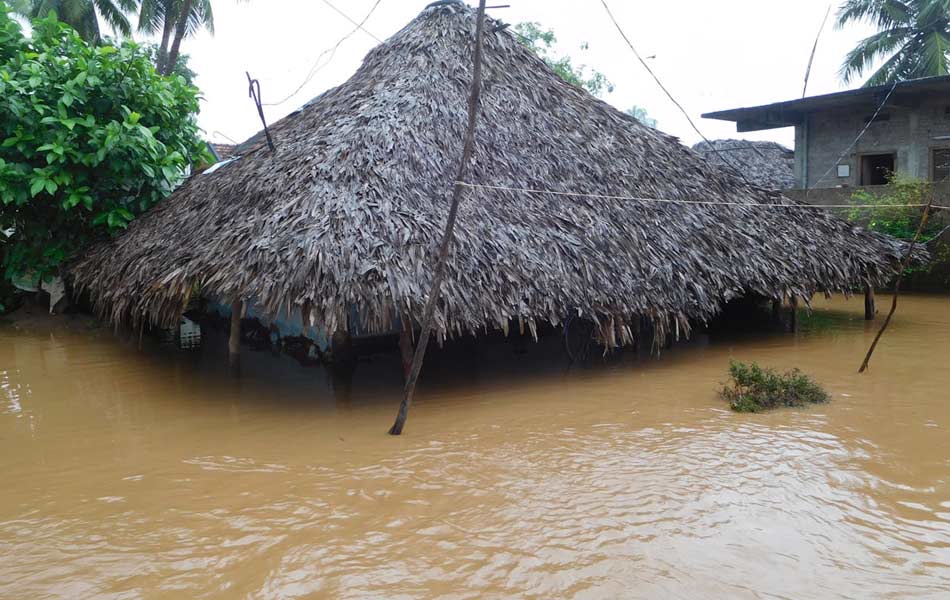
x=434 y=293
x=897 y=285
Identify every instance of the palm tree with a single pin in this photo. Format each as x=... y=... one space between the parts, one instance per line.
x=82 y=15
x=913 y=38
x=175 y=19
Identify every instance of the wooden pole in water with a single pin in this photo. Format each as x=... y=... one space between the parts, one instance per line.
x=869 y=308
x=234 y=340
x=467 y=151
x=897 y=284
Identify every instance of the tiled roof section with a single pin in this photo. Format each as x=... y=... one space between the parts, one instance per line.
x=223 y=151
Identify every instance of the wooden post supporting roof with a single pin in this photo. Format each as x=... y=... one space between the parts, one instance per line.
x=234 y=339
x=793 y=323
x=869 y=308
x=435 y=292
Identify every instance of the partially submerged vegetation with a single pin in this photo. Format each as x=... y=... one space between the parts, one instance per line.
x=754 y=389
x=896 y=211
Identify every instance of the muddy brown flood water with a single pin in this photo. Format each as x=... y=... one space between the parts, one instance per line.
x=133 y=474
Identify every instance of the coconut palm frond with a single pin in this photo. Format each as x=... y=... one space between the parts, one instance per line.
x=152 y=15
x=881 y=13
x=912 y=39
x=114 y=13
x=871 y=49
x=200 y=17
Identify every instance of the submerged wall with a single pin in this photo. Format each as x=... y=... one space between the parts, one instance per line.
x=291 y=325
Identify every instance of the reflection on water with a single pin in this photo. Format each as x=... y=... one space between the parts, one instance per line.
x=135 y=474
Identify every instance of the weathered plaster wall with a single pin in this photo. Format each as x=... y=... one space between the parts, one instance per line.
x=910 y=133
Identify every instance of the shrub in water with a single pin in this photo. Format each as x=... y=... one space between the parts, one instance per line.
x=754 y=389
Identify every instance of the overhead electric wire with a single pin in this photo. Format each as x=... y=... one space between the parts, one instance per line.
x=670 y=95
x=942 y=231
x=532 y=191
x=351 y=20
x=860 y=134
x=317 y=67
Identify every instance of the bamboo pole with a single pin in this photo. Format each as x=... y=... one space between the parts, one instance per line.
x=434 y=293
x=897 y=284
x=234 y=339
x=405 y=345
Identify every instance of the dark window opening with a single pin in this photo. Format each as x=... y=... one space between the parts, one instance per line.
x=941 y=163
x=876 y=169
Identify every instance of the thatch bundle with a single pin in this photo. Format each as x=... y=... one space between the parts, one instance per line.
x=765 y=164
x=349 y=209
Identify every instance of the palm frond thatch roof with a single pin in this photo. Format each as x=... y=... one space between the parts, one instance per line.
x=766 y=164
x=349 y=209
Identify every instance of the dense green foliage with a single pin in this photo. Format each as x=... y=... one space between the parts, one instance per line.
x=754 y=389
x=640 y=114
x=173 y=20
x=542 y=41
x=82 y=15
x=889 y=214
x=90 y=137
x=913 y=39
x=180 y=68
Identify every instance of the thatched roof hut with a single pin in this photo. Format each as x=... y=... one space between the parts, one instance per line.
x=348 y=210
x=766 y=164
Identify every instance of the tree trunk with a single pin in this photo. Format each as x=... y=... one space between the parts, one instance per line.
x=180 y=28
x=162 y=58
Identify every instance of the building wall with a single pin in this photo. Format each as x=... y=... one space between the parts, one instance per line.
x=824 y=196
x=910 y=133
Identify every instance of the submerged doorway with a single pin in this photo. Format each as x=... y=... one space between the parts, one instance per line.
x=876 y=169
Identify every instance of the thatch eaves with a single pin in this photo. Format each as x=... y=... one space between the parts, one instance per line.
x=349 y=209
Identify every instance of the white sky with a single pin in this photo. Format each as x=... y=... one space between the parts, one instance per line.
x=711 y=54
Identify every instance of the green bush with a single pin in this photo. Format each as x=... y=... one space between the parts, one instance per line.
x=754 y=389
x=899 y=221
x=90 y=137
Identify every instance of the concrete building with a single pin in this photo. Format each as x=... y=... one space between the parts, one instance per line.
x=903 y=128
